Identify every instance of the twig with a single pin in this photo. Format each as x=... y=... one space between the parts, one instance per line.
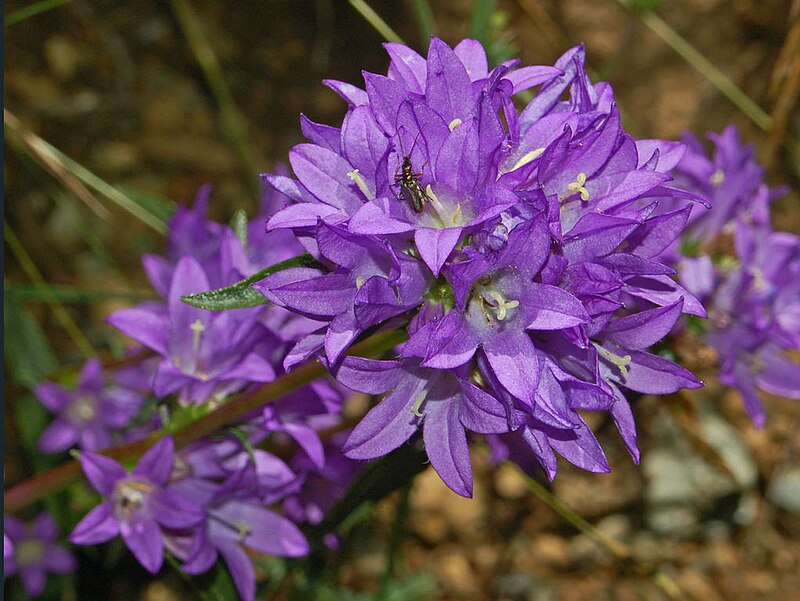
x=50 y=482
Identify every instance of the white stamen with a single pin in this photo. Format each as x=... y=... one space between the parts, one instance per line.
x=454 y=123
x=620 y=361
x=502 y=306
x=415 y=408
x=359 y=282
x=197 y=327
x=355 y=176
x=527 y=158
x=717 y=177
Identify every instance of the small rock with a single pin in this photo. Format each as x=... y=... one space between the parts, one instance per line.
x=785 y=490
x=521 y=587
x=509 y=483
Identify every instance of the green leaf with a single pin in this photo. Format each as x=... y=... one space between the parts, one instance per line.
x=27 y=349
x=480 y=20
x=240 y=295
x=31 y=11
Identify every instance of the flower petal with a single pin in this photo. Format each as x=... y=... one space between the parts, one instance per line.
x=97 y=526
x=446 y=446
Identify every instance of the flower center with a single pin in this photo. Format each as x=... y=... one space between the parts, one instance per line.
x=130 y=496
x=82 y=410
x=197 y=327
x=717 y=177
x=579 y=186
x=29 y=552
x=491 y=302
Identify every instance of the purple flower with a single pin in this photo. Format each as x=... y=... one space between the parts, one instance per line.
x=749 y=279
x=138 y=506
x=88 y=415
x=237 y=521
x=520 y=248
x=31 y=551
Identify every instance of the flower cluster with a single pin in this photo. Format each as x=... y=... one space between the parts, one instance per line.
x=520 y=247
x=213 y=498
x=747 y=273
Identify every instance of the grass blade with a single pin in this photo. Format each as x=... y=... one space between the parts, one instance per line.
x=32 y=10
x=371 y=17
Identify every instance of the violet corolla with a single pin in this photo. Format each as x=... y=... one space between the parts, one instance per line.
x=515 y=260
x=91 y=414
x=747 y=273
x=31 y=551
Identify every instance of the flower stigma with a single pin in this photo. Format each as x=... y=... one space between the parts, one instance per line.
x=579 y=186
x=355 y=176
x=620 y=361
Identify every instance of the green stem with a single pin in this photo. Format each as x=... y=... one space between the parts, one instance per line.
x=47 y=483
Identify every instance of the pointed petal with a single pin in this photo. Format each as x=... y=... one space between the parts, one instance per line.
x=435 y=245
x=652 y=374
x=241 y=568
x=480 y=412
x=143 y=538
x=97 y=526
x=642 y=330
x=514 y=362
x=551 y=308
x=156 y=463
x=452 y=343
x=173 y=510
x=144 y=325
x=368 y=375
x=387 y=425
x=446 y=446
x=102 y=472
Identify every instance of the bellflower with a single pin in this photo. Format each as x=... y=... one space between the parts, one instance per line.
x=237 y=522
x=206 y=356
x=33 y=552
x=89 y=415
x=512 y=243
x=748 y=274
x=138 y=505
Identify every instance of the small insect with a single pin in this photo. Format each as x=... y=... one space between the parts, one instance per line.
x=410 y=189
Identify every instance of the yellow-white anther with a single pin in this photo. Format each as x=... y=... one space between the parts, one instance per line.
x=454 y=123
x=197 y=327
x=415 y=408
x=359 y=181
x=578 y=186
x=620 y=362
x=360 y=282
x=243 y=529
x=502 y=305
x=527 y=158
x=457 y=215
x=717 y=177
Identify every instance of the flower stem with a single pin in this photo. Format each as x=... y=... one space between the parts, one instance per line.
x=52 y=481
